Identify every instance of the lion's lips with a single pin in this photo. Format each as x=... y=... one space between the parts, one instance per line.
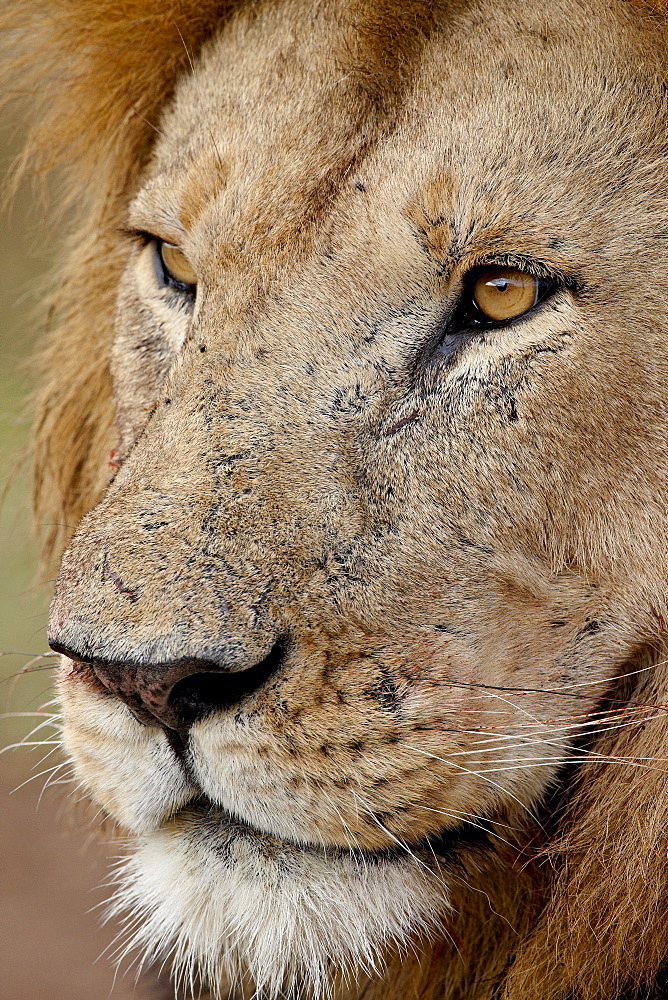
x=219 y=827
x=218 y=823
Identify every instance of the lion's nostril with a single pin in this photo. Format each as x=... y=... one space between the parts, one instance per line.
x=180 y=693
x=201 y=694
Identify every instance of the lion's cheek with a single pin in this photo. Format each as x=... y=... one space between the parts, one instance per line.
x=126 y=768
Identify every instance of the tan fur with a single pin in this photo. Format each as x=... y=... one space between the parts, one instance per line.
x=284 y=464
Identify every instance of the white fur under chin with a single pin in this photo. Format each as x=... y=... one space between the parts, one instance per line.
x=227 y=904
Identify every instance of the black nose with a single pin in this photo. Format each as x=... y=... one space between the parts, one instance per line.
x=180 y=693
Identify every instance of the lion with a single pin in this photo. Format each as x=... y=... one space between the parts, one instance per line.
x=353 y=419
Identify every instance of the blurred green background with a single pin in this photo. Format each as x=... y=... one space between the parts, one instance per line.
x=24 y=259
x=51 y=871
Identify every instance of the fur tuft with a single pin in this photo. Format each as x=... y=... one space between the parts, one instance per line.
x=609 y=932
x=305 y=919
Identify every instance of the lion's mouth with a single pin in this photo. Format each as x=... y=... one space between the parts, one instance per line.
x=446 y=845
x=218 y=825
x=179 y=747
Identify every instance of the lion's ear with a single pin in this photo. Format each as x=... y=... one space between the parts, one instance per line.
x=95 y=73
x=605 y=930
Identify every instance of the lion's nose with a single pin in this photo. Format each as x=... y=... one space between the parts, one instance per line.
x=180 y=693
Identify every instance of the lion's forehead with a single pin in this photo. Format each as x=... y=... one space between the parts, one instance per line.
x=290 y=131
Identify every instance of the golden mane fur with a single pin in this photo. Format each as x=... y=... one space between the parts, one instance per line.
x=580 y=908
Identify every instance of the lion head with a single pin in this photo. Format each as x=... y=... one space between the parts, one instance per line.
x=359 y=381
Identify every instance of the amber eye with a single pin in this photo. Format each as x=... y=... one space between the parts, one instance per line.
x=177 y=268
x=503 y=293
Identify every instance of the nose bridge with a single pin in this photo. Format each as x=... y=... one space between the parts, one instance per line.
x=270 y=421
x=141 y=583
x=210 y=527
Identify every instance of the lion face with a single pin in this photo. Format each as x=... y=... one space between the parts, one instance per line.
x=389 y=369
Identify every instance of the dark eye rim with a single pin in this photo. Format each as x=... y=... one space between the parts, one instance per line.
x=462 y=322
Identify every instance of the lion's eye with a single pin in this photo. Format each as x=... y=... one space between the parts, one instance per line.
x=177 y=269
x=504 y=293
x=493 y=296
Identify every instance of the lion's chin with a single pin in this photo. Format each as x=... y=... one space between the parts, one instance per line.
x=228 y=904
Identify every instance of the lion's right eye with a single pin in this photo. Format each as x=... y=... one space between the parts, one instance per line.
x=505 y=293
x=176 y=269
x=493 y=295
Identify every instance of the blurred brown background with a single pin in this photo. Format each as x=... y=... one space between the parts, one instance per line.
x=50 y=941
